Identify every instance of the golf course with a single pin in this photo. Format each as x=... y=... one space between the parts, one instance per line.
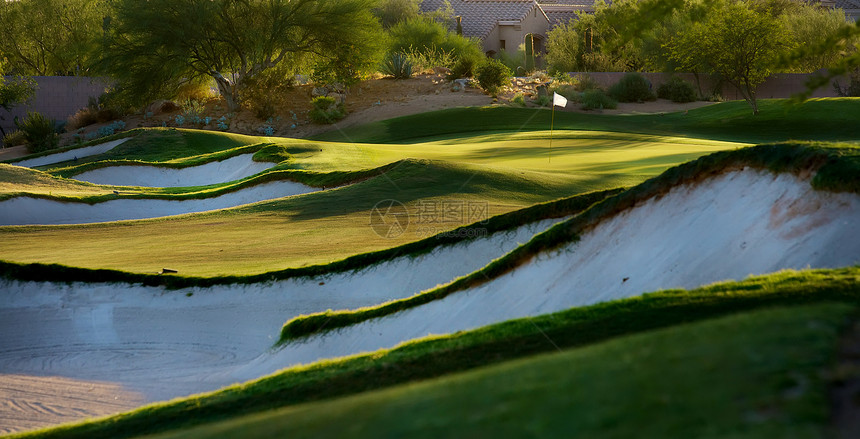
x=472 y=272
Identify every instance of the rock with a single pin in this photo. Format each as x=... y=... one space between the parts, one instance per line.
x=462 y=82
x=439 y=70
x=161 y=106
x=319 y=91
x=338 y=97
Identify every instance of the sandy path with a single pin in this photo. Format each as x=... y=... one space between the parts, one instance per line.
x=233 y=168
x=27 y=210
x=69 y=155
x=728 y=227
x=165 y=344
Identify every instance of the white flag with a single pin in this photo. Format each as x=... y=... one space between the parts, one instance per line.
x=558 y=100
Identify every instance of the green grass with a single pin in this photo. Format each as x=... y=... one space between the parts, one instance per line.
x=437 y=356
x=837 y=169
x=752 y=375
x=552 y=209
x=834 y=119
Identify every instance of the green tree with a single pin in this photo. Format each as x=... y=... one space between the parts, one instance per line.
x=391 y=12
x=154 y=46
x=14 y=92
x=51 y=37
x=577 y=47
x=812 y=24
x=735 y=41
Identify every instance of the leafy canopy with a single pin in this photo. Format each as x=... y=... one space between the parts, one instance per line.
x=155 y=46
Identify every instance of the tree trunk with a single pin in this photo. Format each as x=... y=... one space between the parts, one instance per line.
x=228 y=91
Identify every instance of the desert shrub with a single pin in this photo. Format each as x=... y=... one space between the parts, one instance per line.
x=632 y=87
x=543 y=100
x=192 y=111
x=425 y=36
x=423 y=61
x=853 y=87
x=39 y=131
x=585 y=82
x=14 y=138
x=519 y=100
x=262 y=93
x=326 y=110
x=492 y=75
x=677 y=90
x=198 y=90
x=397 y=65
x=596 y=99
x=463 y=68
x=514 y=60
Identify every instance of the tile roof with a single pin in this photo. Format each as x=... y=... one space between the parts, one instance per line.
x=848 y=4
x=481 y=16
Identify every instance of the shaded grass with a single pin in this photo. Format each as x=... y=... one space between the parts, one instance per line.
x=502 y=222
x=441 y=355
x=834 y=119
x=752 y=375
x=837 y=171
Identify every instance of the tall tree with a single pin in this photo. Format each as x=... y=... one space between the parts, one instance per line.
x=155 y=45
x=14 y=92
x=737 y=42
x=51 y=37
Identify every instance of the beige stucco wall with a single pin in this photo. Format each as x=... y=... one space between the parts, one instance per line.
x=535 y=22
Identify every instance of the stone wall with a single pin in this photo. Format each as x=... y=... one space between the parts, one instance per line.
x=57 y=97
x=782 y=85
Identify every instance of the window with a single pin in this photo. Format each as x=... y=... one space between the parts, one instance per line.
x=501 y=44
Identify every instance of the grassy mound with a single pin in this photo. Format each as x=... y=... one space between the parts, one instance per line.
x=577 y=327
x=836 y=170
x=832 y=119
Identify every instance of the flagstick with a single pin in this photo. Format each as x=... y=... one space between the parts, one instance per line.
x=551 y=124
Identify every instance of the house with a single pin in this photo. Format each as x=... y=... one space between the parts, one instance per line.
x=499 y=24
x=851 y=7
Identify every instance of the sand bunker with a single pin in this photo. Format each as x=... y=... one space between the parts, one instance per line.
x=101 y=148
x=163 y=344
x=26 y=210
x=728 y=227
x=233 y=168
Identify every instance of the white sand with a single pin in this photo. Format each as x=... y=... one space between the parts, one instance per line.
x=164 y=344
x=729 y=227
x=101 y=148
x=26 y=210
x=233 y=168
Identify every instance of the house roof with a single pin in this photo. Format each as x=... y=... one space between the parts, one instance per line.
x=563 y=13
x=848 y=4
x=481 y=16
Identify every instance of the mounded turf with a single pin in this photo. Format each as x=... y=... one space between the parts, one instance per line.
x=833 y=119
x=751 y=375
x=498 y=175
x=435 y=356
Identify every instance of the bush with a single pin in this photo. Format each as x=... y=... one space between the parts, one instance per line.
x=492 y=75
x=426 y=37
x=397 y=65
x=519 y=100
x=632 y=87
x=326 y=110
x=39 y=132
x=677 y=90
x=596 y=99
x=566 y=90
x=585 y=82
x=262 y=93
x=14 y=138
x=853 y=88
x=543 y=100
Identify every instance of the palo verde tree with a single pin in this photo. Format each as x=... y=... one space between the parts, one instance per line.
x=737 y=42
x=51 y=37
x=155 y=45
x=14 y=92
